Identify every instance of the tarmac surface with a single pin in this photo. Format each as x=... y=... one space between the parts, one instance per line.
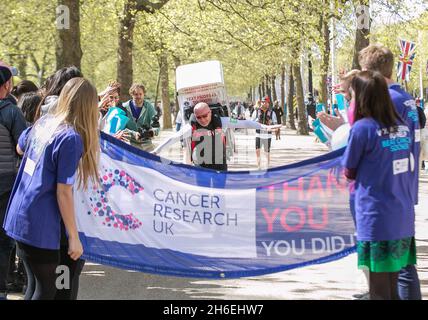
x=337 y=280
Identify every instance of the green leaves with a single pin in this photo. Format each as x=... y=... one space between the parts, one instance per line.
x=251 y=38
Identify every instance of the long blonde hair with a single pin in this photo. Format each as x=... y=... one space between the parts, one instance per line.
x=78 y=107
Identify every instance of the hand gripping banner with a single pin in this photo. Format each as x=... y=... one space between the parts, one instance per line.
x=153 y=216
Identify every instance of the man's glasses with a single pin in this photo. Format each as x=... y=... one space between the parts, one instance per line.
x=203 y=116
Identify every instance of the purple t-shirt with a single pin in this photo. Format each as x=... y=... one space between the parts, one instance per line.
x=33 y=215
x=406 y=108
x=135 y=110
x=383 y=187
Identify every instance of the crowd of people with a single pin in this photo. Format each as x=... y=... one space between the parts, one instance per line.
x=52 y=132
x=49 y=140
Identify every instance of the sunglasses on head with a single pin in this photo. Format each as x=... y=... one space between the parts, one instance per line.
x=203 y=116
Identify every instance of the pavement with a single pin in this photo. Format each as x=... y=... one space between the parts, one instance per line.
x=337 y=280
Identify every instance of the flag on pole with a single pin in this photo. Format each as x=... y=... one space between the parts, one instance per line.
x=405 y=62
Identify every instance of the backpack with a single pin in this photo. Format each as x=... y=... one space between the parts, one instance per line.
x=8 y=157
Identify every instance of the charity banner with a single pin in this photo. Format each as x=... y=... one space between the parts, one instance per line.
x=151 y=215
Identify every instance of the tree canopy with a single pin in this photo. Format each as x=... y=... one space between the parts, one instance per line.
x=252 y=38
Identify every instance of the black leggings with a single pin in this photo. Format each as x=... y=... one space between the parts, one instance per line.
x=41 y=266
x=41 y=279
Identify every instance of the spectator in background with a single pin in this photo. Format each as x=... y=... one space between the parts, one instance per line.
x=158 y=109
x=239 y=111
x=53 y=89
x=279 y=113
x=12 y=124
x=25 y=86
x=14 y=72
x=143 y=124
x=28 y=104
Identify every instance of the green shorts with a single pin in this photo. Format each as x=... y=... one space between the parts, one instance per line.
x=386 y=256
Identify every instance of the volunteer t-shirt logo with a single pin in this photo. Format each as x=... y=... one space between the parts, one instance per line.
x=400 y=166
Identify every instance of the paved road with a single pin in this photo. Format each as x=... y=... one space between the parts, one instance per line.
x=331 y=281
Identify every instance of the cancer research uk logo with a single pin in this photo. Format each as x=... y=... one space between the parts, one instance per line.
x=100 y=204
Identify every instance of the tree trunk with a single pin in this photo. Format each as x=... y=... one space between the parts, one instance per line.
x=284 y=120
x=268 y=89
x=177 y=63
x=158 y=83
x=260 y=91
x=290 y=107
x=68 y=49
x=124 y=52
x=126 y=35
x=22 y=66
x=263 y=89
x=310 y=79
x=165 y=91
x=274 y=94
x=303 y=120
x=362 y=33
x=325 y=61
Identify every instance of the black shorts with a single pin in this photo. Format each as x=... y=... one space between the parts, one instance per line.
x=265 y=143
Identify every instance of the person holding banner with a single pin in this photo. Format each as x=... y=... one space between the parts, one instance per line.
x=379 y=58
x=207 y=133
x=59 y=149
x=380 y=141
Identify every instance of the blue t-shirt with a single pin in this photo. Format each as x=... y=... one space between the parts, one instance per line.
x=135 y=110
x=33 y=215
x=406 y=108
x=383 y=187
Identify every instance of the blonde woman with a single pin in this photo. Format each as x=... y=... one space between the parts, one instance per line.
x=59 y=148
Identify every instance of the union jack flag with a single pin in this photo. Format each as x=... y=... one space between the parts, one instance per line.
x=405 y=62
